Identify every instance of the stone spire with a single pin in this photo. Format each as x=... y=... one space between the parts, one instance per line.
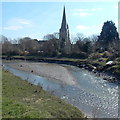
x=64 y=40
x=63 y=25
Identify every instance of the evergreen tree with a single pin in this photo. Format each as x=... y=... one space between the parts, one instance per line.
x=108 y=34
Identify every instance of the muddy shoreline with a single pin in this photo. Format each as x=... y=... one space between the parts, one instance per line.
x=50 y=71
x=81 y=64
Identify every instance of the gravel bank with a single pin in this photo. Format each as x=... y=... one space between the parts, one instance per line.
x=50 y=71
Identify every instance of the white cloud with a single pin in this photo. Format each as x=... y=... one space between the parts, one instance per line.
x=115 y=6
x=116 y=23
x=85 y=12
x=99 y=9
x=96 y=9
x=82 y=14
x=23 y=21
x=19 y=21
x=17 y=24
x=88 y=10
x=89 y=30
x=13 y=27
x=81 y=10
x=92 y=29
x=93 y=9
x=82 y=27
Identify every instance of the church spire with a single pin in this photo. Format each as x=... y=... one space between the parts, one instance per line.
x=64 y=41
x=63 y=25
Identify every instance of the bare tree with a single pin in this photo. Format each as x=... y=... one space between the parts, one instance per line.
x=78 y=37
x=29 y=45
x=51 y=36
x=93 y=38
x=7 y=47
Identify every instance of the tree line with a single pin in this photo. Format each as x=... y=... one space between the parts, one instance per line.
x=81 y=47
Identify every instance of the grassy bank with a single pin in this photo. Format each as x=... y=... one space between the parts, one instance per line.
x=24 y=100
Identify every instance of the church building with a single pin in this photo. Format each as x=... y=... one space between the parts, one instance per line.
x=64 y=38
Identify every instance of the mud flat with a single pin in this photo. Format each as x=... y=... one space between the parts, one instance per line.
x=50 y=71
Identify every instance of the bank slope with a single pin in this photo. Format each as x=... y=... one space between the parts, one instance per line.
x=21 y=99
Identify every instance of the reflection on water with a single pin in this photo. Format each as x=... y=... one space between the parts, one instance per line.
x=92 y=95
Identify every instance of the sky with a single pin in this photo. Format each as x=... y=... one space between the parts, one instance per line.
x=37 y=19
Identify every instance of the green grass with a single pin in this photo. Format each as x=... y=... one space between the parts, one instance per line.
x=0 y=93
x=24 y=100
x=115 y=69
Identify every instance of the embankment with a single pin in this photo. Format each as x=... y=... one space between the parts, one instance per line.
x=25 y=100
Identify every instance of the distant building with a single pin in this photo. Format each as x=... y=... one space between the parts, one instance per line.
x=64 y=38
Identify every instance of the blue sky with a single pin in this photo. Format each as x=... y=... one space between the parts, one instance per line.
x=36 y=19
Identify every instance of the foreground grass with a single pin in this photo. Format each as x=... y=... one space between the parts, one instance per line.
x=24 y=100
x=0 y=92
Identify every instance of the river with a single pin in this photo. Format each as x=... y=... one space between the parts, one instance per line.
x=94 y=96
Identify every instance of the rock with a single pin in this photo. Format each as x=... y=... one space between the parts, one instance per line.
x=90 y=67
x=105 y=78
x=109 y=63
x=35 y=91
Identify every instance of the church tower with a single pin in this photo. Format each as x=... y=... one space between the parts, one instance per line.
x=64 y=39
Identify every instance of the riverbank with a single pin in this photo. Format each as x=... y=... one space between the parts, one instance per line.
x=50 y=71
x=99 y=66
x=91 y=91
x=25 y=100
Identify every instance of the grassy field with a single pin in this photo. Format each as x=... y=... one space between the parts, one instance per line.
x=21 y=99
x=0 y=92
